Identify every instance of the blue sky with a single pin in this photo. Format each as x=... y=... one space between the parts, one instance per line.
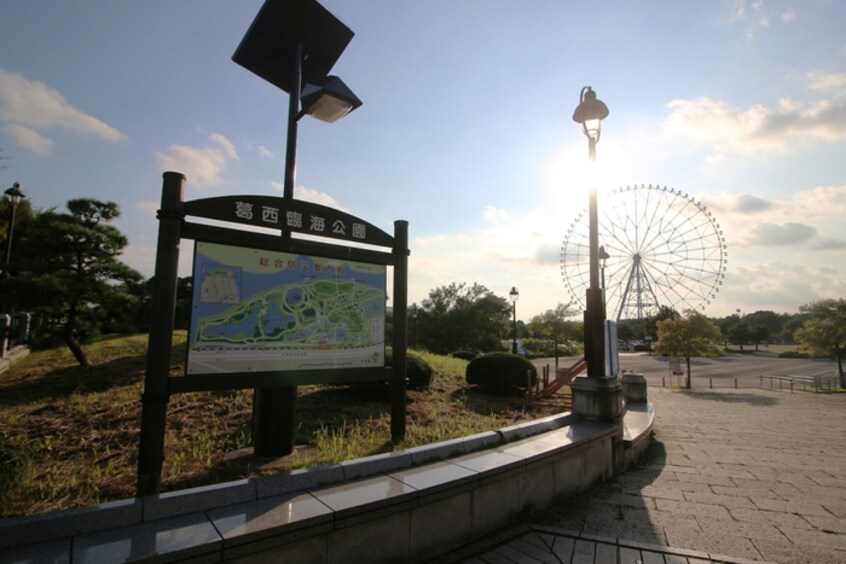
x=466 y=129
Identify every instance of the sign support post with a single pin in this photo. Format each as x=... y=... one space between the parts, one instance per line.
x=398 y=400
x=160 y=342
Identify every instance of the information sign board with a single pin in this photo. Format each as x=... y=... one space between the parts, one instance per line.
x=255 y=310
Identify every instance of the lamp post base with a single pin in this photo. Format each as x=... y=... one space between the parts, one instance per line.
x=601 y=399
x=598 y=399
x=634 y=387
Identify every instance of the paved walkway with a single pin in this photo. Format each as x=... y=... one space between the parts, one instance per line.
x=750 y=475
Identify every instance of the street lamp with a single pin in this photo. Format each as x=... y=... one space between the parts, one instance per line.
x=15 y=195
x=603 y=258
x=513 y=295
x=590 y=113
x=293 y=44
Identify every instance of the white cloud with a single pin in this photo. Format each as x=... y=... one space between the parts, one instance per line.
x=29 y=105
x=265 y=152
x=310 y=195
x=779 y=286
x=727 y=131
x=809 y=218
x=226 y=145
x=204 y=166
x=818 y=80
x=773 y=235
x=29 y=139
x=789 y=15
x=755 y=16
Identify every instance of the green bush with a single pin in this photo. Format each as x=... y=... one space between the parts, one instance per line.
x=500 y=372
x=419 y=373
x=465 y=354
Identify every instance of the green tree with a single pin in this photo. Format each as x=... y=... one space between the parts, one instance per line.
x=71 y=274
x=555 y=324
x=763 y=325
x=824 y=332
x=461 y=317
x=687 y=336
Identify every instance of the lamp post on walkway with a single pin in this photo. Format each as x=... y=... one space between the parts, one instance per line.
x=599 y=396
x=513 y=295
x=590 y=114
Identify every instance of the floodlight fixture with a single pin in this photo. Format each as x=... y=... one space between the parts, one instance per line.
x=329 y=100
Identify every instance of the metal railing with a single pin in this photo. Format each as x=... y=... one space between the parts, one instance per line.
x=815 y=382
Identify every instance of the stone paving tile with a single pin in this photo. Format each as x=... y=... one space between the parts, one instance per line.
x=783 y=520
x=767 y=488
x=691 y=508
x=817 y=538
x=794 y=506
x=785 y=551
x=662 y=493
x=705 y=479
x=716 y=542
x=725 y=501
x=742 y=529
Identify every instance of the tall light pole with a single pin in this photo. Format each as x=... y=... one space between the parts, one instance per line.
x=590 y=113
x=293 y=44
x=599 y=397
x=513 y=295
x=15 y=195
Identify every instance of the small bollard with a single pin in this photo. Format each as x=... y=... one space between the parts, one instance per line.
x=735 y=382
x=663 y=382
x=710 y=382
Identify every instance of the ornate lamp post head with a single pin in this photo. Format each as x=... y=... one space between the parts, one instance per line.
x=590 y=113
x=15 y=194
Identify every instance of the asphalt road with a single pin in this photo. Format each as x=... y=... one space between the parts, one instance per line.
x=722 y=371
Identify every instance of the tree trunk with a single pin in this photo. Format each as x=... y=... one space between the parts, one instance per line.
x=687 y=358
x=839 y=354
x=73 y=344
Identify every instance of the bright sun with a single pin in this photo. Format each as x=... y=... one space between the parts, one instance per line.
x=569 y=175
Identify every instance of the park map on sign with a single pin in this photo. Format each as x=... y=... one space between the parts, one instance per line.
x=261 y=311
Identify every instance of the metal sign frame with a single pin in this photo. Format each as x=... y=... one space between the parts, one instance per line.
x=287 y=216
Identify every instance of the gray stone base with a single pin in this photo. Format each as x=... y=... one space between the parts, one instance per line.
x=634 y=387
x=597 y=399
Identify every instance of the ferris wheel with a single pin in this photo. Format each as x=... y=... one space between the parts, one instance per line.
x=658 y=247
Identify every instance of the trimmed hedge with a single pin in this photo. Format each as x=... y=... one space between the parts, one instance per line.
x=501 y=372
x=419 y=373
x=465 y=354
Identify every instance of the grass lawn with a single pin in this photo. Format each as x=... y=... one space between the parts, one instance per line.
x=69 y=435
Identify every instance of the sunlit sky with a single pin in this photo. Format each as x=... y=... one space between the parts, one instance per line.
x=466 y=129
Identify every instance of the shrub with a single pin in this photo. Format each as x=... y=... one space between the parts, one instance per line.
x=500 y=372
x=419 y=373
x=465 y=354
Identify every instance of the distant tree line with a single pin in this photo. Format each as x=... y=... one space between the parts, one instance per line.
x=65 y=269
